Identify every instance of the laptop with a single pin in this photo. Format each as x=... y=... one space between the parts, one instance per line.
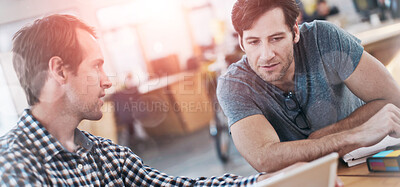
x=320 y=172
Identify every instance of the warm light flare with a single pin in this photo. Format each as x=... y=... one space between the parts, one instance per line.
x=139 y=12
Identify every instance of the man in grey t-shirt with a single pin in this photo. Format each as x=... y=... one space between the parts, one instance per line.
x=302 y=92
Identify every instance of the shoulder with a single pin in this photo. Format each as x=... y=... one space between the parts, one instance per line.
x=239 y=70
x=325 y=32
x=238 y=76
x=103 y=142
x=16 y=158
x=106 y=145
x=114 y=152
x=7 y=139
x=321 y=31
x=13 y=142
x=96 y=139
x=318 y=26
x=20 y=167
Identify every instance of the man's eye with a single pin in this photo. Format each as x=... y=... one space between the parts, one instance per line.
x=254 y=42
x=277 y=39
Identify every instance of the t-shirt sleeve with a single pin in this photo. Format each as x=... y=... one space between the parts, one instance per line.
x=237 y=99
x=339 y=49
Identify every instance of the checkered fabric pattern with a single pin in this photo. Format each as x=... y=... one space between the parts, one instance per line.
x=31 y=156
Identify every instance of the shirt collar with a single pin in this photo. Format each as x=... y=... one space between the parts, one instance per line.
x=82 y=140
x=45 y=143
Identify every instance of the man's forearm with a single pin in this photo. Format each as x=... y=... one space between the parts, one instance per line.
x=265 y=152
x=283 y=154
x=358 y=117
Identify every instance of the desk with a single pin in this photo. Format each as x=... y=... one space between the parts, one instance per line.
x=359 y=176
x=370 y=181
x=362 y=170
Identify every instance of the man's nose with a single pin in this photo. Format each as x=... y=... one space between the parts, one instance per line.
x=105 y=81
x=267 y=53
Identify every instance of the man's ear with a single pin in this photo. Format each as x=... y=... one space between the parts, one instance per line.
x=296 y=33
x=241 y=43
x=57 y=69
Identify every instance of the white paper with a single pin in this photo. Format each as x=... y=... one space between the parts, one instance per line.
x=351 y=163
x=363 y=152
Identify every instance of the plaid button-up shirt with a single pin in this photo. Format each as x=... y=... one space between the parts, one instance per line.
x=31 y=156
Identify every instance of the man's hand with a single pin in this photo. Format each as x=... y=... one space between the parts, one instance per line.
x=385 y=122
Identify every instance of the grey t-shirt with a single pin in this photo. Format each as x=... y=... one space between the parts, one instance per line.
x=324 y=57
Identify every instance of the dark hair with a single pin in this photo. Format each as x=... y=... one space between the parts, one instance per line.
x=35 y=44
x=246 y=12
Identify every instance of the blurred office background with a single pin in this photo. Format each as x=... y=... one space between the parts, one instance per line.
x=163 y=57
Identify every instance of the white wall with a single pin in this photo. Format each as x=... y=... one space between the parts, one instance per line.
x=347 y=9
x=173 y=34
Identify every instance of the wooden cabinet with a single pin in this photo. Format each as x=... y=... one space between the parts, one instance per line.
x=171 y=106
x=185 y=103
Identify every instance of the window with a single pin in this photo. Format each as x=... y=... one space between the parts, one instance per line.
x=8 y=113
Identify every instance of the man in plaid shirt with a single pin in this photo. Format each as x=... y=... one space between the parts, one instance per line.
x=60 y=67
